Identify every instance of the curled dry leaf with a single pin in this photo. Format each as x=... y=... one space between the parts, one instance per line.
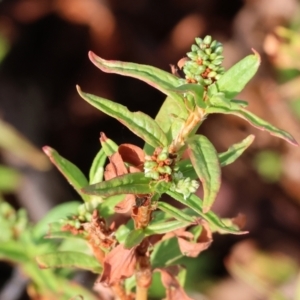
x=132 y=154
x=181 y=62
x=115 y=168
x=173 y=289
x=118 y=265
x=125 y=205
x=186 y=242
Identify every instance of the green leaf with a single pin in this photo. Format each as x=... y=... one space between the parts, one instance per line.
x=204 y=158
x=196 y=90
x=139 y=123
x=170 y=118
x=234 y=80
x=253 y=120
x=97 y=168
x=174 y=212
x=164 y=227
x=134 y=183
x=123 y=231
x=107 y=208
x=13 y=251
x=195 y=203
x=165 y=253
x=72 y=173
x=235 y=151
x=155 y=77
x=219 y=99
x=109 y=146
x=69 y=259
x=134 y=238
x=60 y=211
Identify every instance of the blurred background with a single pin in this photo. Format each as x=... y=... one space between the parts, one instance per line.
x=43 y=55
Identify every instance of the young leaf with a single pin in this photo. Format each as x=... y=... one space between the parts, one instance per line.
x=195 y=203
x=235 y=151
x=97 y=168
x=72 y=173
x=175 y=212
x=134 y=238
x=234 y=80
x=109 y=146
x=134 y=183
x=253 y=120
x=139 y=123
x=205 y=160
x=69 y=259
x=155 y=77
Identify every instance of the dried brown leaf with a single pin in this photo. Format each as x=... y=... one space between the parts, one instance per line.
x=125 y=205
x=118 y=264
x=173 y=289
x=132 y=154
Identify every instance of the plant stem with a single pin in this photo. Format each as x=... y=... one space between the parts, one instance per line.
x=141 y=293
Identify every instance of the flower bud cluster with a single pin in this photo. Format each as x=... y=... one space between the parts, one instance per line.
x=204 y=63
x=85 y=212
x=184 y=185
x=159 y=165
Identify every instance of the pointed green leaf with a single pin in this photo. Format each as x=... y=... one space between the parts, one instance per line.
x=69 y=259
x=109 y=146
x=139 y=123
x=97 y=168
x=235 y=151
x=174 y=212
x=204 y=158
x=164 y=227
x=72 y=173
x=196 y=90
x=60 y=211
x=254 y=121
x=155 y=77
x=234 y=80
x=195 y=203
x=134 y=238
x=134 y=183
